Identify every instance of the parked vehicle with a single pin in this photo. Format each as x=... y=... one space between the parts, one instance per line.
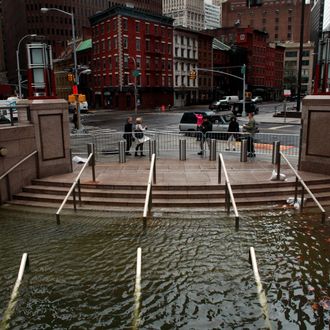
x=219 y=106
x=7 y=106
x=224 y=104
x=83 y=107
x=257 y=99
x=249 y=107
x=219 y=122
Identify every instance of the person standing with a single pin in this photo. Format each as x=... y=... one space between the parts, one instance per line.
x=199 y=123
x=251 y=128
x=233 y=128
x=140 y=137
x=205 y=127
x=128 y=135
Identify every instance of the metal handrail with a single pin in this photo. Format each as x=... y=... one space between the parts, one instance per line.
x=229 y=192
x=72 y=189
x=261 y=292
x=14 y=167
x=13 y=298
x=304 y=186
x=151 y=180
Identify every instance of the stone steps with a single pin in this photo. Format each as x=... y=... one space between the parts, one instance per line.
x=50 y=194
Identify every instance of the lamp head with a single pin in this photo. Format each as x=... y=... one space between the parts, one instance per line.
x=44 y=10
x=87 y=71
x=33 y=35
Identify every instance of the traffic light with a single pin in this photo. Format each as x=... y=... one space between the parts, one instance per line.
x=253 y=3
x=70 y=77
x=243 y=69
x=192 y=75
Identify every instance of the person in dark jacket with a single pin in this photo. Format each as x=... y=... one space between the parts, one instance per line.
x=128 y=135
x=205 y=127
x=233 y=128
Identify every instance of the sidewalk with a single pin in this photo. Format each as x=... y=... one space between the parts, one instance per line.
x=184 y=173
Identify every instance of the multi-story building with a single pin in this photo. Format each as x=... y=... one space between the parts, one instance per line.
x=132 y=56
x=250 y=47
x=211 y=16
x=205 y=62
x=185 y=61
x=291 y=65
x=280 y=19
x=55 y=26
x=189 y=14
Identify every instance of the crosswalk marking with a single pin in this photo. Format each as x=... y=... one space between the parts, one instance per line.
x=278 y=127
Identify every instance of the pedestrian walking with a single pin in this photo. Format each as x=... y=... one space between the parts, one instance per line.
x=233 y=128
x=140 y=136
x=205 y=127
x=251 y=128
x=128 y=134
x=199 y=123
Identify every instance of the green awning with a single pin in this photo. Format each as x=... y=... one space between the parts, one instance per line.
x=84 y=45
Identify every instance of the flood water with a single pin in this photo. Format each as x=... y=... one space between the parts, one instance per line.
x=195 y=272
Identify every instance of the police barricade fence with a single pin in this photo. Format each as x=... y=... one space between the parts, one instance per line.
x=168 y=143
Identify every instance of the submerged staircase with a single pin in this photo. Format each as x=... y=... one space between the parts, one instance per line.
x=50 y=194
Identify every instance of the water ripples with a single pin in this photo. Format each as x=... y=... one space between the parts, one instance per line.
x=195 y=273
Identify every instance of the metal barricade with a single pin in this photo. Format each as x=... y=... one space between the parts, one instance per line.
x=152 y=148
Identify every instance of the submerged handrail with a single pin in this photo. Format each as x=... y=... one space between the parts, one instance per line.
x=229 y=192
x=261 y=292
x=6 y=174
x=304 y=186
x=13 y=298
x=151 y=180
x=72 y=189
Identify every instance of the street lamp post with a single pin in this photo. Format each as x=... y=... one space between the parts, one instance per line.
x=76 y=76
x=45 y=10
x=19 y=78
x=135 y=87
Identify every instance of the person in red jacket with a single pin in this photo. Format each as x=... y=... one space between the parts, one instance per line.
x=199 y=124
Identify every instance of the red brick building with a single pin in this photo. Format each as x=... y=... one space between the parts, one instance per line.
x=280 y=19
x=131 y=46
x=264 y=74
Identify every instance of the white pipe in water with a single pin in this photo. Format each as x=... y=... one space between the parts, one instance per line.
x=137 y=293
x=13 y=298
x=261 y=292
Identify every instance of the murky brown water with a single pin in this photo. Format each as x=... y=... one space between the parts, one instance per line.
x=195 y=273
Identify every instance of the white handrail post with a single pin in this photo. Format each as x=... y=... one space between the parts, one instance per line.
x=137 y=292
x=13 y=298
x=219 y=170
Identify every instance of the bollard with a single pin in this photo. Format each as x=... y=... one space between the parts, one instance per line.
x=244 y=150
x=152 y=148
x=122 y=151
x=182 y=149
x=213 y=149
x=91 y=149
x=276 y=152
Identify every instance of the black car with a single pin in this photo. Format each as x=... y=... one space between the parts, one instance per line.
x=249 y=107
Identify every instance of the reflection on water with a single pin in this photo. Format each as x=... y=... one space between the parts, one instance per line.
x=195 y=272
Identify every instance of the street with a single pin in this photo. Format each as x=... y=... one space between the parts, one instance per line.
x=169 y=120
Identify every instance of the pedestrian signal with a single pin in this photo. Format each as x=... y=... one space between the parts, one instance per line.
x=192 y=75
x=70 y=77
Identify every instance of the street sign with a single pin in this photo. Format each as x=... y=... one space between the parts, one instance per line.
x=287 y=92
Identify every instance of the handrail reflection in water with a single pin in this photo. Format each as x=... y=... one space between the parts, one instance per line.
x=13 y=298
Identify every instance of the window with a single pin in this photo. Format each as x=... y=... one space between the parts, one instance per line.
x=125 y=61
x=125 y=42
x=305 y=62
x=291 y=54
x=305 y=53
x=147 y=45
x=125 y=25
x=137 y=26
x=138 y=44
x=109 y=44
x=138 y=62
